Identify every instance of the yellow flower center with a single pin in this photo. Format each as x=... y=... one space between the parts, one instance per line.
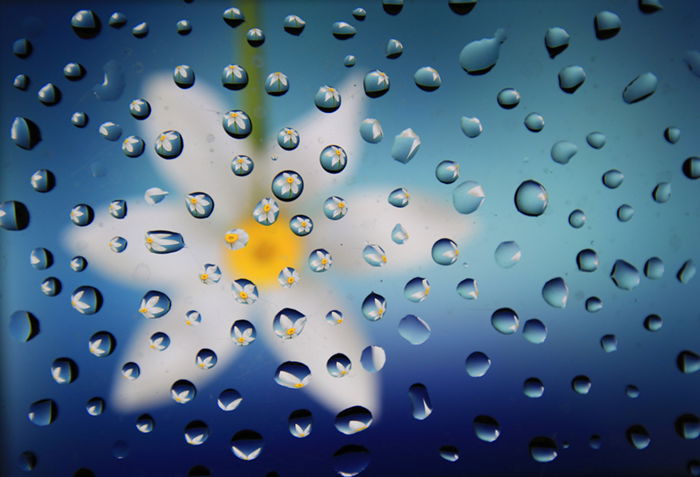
x=290 y=179
x=339 y=320
x=266 y=208
x=304 y=223
x=241 y=339
x=299 y=385
x=202 y=364
x=162 y=138
x=243 y=295
x=203 y=276
x=234 y=115
x=380 y=312
x=193 y=200
x=324 y=261
x=231 y=238
x=331 y=90
x=270 y=249
x=456 y=252
x=383 y=258
x=343 y=373
x=341 y=205
x=291 y=331
x=149 y=240
x=290 y=280
x=427 y=290
x=337 y=152
x=143 y=310
x=240 y=160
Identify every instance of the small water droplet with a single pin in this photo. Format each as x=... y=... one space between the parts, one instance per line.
x=535 y=331
x=414 y=330
x=640 y=88
x=374 y=307
x=229 y=400
x=587 y=260
x=22 y=48
x=688 y=426
x=73 y=71
x=508 y=98
x=359 y=14
x=234 y=77
x=471 y=127
x=117 y=20
x=662 y=192
x=349 y=61
x=243 y=333
x=327 y=99
x=406 y=145
x=533 y=388
x=393 y=49
x=183 y=75
x=449 y=453
x=293 y=375
x=78 y=264
x=608 y=343
x=672 y=134
x=638 y=437
x=486 y=428
x=571 y=78
x=650 y=6
x=79 y=119
x=445 y=252
x=301 y=225
x=182 y=391
x=145 y=423
x=505 y=320
x=467 y=289
x=581 y=384
x=371 y=130
x=350 y=460
x=607 y=25
x=86 y=300
x=102 y=344
x=508 y=254
x=343 y=30
x=625 y=275
x=21 y=82
x=183 y=27
x=543 y=449
x=373 y=358
x=24 y=133
x=196 y=433
x=688 y=362
x=691 y=167
x=632 y=391
x=477 y=364
x=686 y=272
x=556 y=40
x=531 y=198
x=447 y=172
x=95 y=406
x=233 y=17
x=399 y=197
x=563 y=151
x=468 y=197
x=625 y=212
x=376 y=83
x=23 y=326
x=420 y=401
x=594 y=304
x=140 y=30
x=556 y=293
x=300 y=423
x=577 y=219
x=86 y=24
x=534 y=122
x=596 y=140
x=247 y=445
x=335 y=208
x=427 y=78
x=43 y=412
x=294 y=25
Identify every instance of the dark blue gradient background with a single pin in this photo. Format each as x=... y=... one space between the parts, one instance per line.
x=92 y=170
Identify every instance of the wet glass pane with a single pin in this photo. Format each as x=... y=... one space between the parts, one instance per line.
x=302 y=238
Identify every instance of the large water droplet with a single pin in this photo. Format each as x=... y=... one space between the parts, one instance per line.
x=145 y=424
x=427 y=78
x=505 y=320
x=24 y=132
x=608 y=343
x=508 y=254
x=338 y=365
x=672 y=134
x=594 y=304
x=688 y=426
x=237 y=124
x=531 y=198
x=556 y=293
x=534 y=122
x=581 y=384
x=294 y=25
x=535 y=331
x=638 y=437
x=110 y=130
x=373 y=358
x=414 y=330
x=64 y=370
x=22 y=48
x=556 y=40
x=233 y=17
x=49 y=94
x=376 y=83
x=95 y=406
x=374 y=307
x=625 y=212
x=640 y=88
x=587 y=260
x=577 y=219
x=563 y=151
x=393 y=48
x=477 y=364
x=102 y=344
x=445 y=252
x=543 y=449
x=43 y=412
x=86 y=299
x=300 y=423
x=13 y=215
x=486 y=428
x=468 y=197
x=533 y=388
x=625 y=275
x=688 y=362
x=86 y=24
x=691 y=167
x=196 y=433
x=406 y=145
x=353 y=420
x=479 y=56
x=23 y=326
x=468 y=289
x=571 y=78
x=234 y=77
x=607 y=25
x=246 y=445
x=420 y=401
x=417 y=289
x=184 y=77
x=596 y=140
x=350 y=460
x=471 y=127
x=183 y=391
x=293 y=375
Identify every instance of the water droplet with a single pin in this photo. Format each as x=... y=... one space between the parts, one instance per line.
x=653 y=323
x=13 y=215
x=632 y=391
x=359 y=14
x=535 y=331
x=534 y=122
x=650 y=6
x=374 y=307
x=343 y=30
x=662 y=192
x=607 y=25
x=24 y=132
x=163 y=241
x=691 y=167
x=159 y=341
x=640 y=88
x=78 y=264
x=447 y=172
x=468 y=197
x=229 y=400
x=23 y=326
x=234 y=77
x=393 y=49
x=371 y=130
x=467 y=289
x=145 y=423
x=581 y=384
x=133 y=146
x=49 y=94
x=427 y=78
x=102 y=344
x=594 y=304
x=86 y=24
x=237 y=124
x=183 y=27
x=335 y=208
x=563 y=151
x=596 y=140
x=154 y=195
x=154 y=304
x=320 y=260
x=508 y=98
x=533 y=388
x=414 y=330
x=406 y=145
x=479 y=56
x=301 y=225
x=505 y=320
x=300 y=423
x=64 y=370
x=327 y=99
x=392 y=7
x=294 y=25
x=288 y=139
x=417 y=289
x=374 y=255
x=21 y=82
x=577 y=219
x=288 y=323
x=131 y=371
x=556 y=293
x=73 y=71
x=233 y=17
x=338 y=365
x=110 y=130
x=333 y=159
x=376 y=84
x=587 y=260
x=196 y=433
x=287 y=185
x=40 y=258
x=22 y=48
x=349 y=61
x=477 y=364
x=399 y=234
x=638 y=437
x=613 y=178
x=82 y=215
x=247 y=445
x=556 y=40
x=276 y=84
x=625 y=275
x=471 y=127
x=293 y=375
x=531 y=198
x=199 y=204
x=79 y=120
x=242 y=165
x=672 y=134
x=51 y=286
x=86 y=299
x=43 y=412
x=399 y=197
x=608 y=343
x=244 y=291
x=508 y=254
x=445 y=252
x=243 y=332
x=182 y=391
x=140 y=30
x=686 y=272
x=688 y=426
x=543 y=449
x=95 y=406
x=625 y=213
x=571 y=78
x=169 y=144
x=350 y=460
x=688 y=362
x=205 y=359
x=486 y=428
x=373 y=359
x=183 y=75
x=420 y=401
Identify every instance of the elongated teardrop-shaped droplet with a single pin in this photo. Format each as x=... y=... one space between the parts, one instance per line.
x=563 y=151
x=420 y=401
x=343 y=30
x=479 y=57
x=24 y=132
x=556 y=40
x=686 y=272
x=625 y=275
x=640 y=88
x=556 y=293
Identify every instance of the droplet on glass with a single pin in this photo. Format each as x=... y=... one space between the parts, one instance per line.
x=638 y=437
x=193 y=318
x=349 y=61
x=163 y=241
x=13 y=215
x=131 y=371
x=24 y=132
x=625 y=212
x=183 y=27
x=343 y=30
x=447 y=172
x=64 y=370
x=393 y=48
x=359 y=14
x=449 y=453
x=288 y=323
x=371 y=130
x=78 y=263
x=243 y=332
x=662 y=192
x=287 y=185
x=399 y=197
x=414 y=330
x=276 y=84
x=417 y=289
x=672 y=134
x=608 y=343
x=688 y=426
x=632 y=391
x=613 y=178
x=374 y=307
x=293 y=375
x=581 y=384
x=468 y=197
x=625 y=275
x=556 y=40
x=479 y=57
x=95 y=406
x=23 y=326
x=140 y=30
x=102 y=344
x=246 y=445
x=338 y=365
x=376 y=83
x=534 y=122
x=145 y=424
x=533 y=388
x=688 y=362
x=196 y=433
x=200 y=205
x=406 y=145
x=182 y=391
x=420 y=401
x=587 y=260
x=233 y=17
x=288 y=139
x=327 y=99
x=21 y=82
x=640 y=88
x=320 y=260
x=477 y=364
x=154 y=304
x=41 y=258
x=596 y=140
x=350 y=460
x=563 y=151
x=555 y=292
x=374 y=255
x=691 y=167
x=43 y=412
x=531 y=198
x=79 y=119
x=471 y=127
x=184 y=77
x=229 y=400
x=49 y=94
x=301 y=225
x=505 y=320
x=237 y=124
x=294 y=25
x=205 y=359
x=255 y=37
x=373 y=359
x=110 y=130
x=22 y=48
x=594 y=304
x=508 y=254
x=133 y=146
x=117 y=20
x=154 y=195
x=650 y=6
x=234 y=77
x=86 y=24
x=445 y=252
x=399 y=234
x=159 y=341
x=508 y=98
x=333 y=159
x=427 y=78
x=686 y=272
x=51 y=286
x=543 y=449
x=86 y=300
x=607 y=25
x=242 y=165
x=486 y=428
x=392 y=7
x=335 y=208
x=571 y=78
x=73 y=71
x=300 y=423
